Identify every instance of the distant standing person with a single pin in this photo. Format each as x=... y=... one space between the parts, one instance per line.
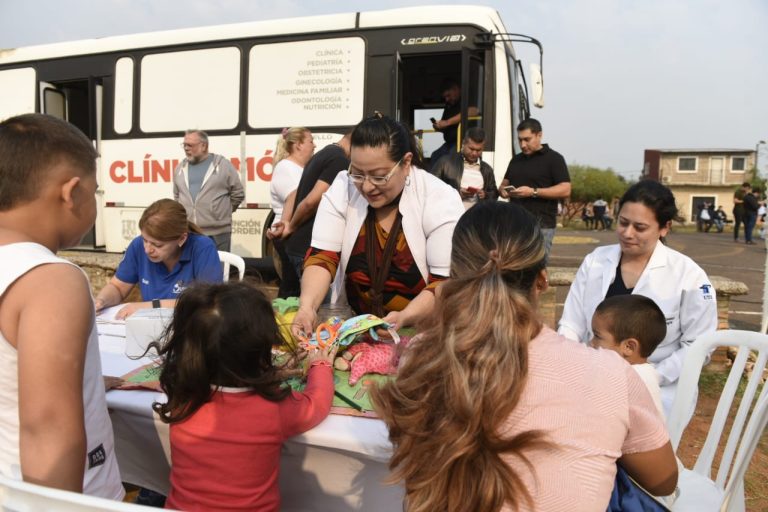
x=449 y=122
x=738 y=209
x=751 y=205
x=539 y=177
x=466 y=172
x=209 y=187
x=600 y=207
x=295 y=147
x=315 y=180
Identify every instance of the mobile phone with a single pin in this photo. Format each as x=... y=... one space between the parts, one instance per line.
x=434 y=121
x=510 y=188
x=473 y=190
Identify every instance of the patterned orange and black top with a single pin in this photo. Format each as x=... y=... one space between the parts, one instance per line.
x=402 y=285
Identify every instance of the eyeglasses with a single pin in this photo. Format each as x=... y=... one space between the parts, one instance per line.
x=377 y=181
x=186 y=145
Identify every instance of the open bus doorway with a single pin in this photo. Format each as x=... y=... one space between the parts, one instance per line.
x=420 y=80
x=72 y=101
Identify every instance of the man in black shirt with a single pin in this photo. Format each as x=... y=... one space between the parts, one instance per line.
x=537 y=178
x=751 y=205
x=317 y=177
x=450 y=120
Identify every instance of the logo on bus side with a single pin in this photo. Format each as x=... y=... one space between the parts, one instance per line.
x=411 y=41
x=150 y=170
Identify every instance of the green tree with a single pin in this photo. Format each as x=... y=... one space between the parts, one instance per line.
x=589 y=184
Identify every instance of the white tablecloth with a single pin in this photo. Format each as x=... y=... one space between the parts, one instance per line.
x=339 y=465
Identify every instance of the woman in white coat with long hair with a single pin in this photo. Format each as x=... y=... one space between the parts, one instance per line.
x=642 y=264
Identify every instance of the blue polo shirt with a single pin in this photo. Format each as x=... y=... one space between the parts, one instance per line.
x=199 y=261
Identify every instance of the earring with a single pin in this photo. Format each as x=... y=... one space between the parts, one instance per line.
x=408 y=180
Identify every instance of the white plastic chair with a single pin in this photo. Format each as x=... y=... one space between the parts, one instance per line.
x=726 y=492
x=227 y=259
x=18 y=496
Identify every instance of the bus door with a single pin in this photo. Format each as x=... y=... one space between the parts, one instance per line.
x=80 y=102
x=398 y=88
x=472 y=93
x=417 y=93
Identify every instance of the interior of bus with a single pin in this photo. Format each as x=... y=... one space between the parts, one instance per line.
x=70 y=100
x=420 y=79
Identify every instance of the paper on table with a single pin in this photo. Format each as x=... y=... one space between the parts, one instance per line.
x=107 y=315
x=108 y=325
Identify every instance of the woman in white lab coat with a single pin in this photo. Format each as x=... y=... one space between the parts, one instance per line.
x=641 y=264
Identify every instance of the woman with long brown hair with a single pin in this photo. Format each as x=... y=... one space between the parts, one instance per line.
x=493 y=410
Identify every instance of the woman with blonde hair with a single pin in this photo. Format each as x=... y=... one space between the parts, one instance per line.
x=170 y=253
x=295 y=146
x=493 y=410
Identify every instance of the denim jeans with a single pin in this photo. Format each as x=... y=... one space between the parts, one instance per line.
x=749 y=225
x=548 y=234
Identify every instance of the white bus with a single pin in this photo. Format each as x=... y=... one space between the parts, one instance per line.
x=135 y=96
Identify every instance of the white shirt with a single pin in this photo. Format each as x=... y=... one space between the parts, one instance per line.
x=285 y=179
x=102 y=477
x=650 y=378
x=471 y=178
x=672 y=280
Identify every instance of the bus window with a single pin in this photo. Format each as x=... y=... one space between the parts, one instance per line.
x=428 y=138
x=123 y=95
x=474 y=85
x=52 y=101
x=18 y=97
x=175 y=99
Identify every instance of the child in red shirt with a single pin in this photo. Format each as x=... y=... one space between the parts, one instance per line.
x=229 y=413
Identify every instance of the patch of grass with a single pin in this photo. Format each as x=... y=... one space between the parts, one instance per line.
x=712 y=382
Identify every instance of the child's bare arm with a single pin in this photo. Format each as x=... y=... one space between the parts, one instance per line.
x=54 y=322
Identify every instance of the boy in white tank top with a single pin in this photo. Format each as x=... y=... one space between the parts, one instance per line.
x=54 y=425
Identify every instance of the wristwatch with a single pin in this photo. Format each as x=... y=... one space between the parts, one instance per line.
x=535 y=193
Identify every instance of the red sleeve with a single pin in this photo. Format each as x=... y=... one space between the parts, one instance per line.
x=303 y=411
x=434 y=280
x=329 y=260
x=646 y=428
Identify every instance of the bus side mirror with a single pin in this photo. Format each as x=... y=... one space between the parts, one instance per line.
x=537 y=84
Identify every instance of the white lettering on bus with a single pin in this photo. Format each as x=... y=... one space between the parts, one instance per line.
x=327 y=62
x=318 y=81
x=433 y=39
x=315 y=72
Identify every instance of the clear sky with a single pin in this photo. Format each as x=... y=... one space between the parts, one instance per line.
x=620 y=75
